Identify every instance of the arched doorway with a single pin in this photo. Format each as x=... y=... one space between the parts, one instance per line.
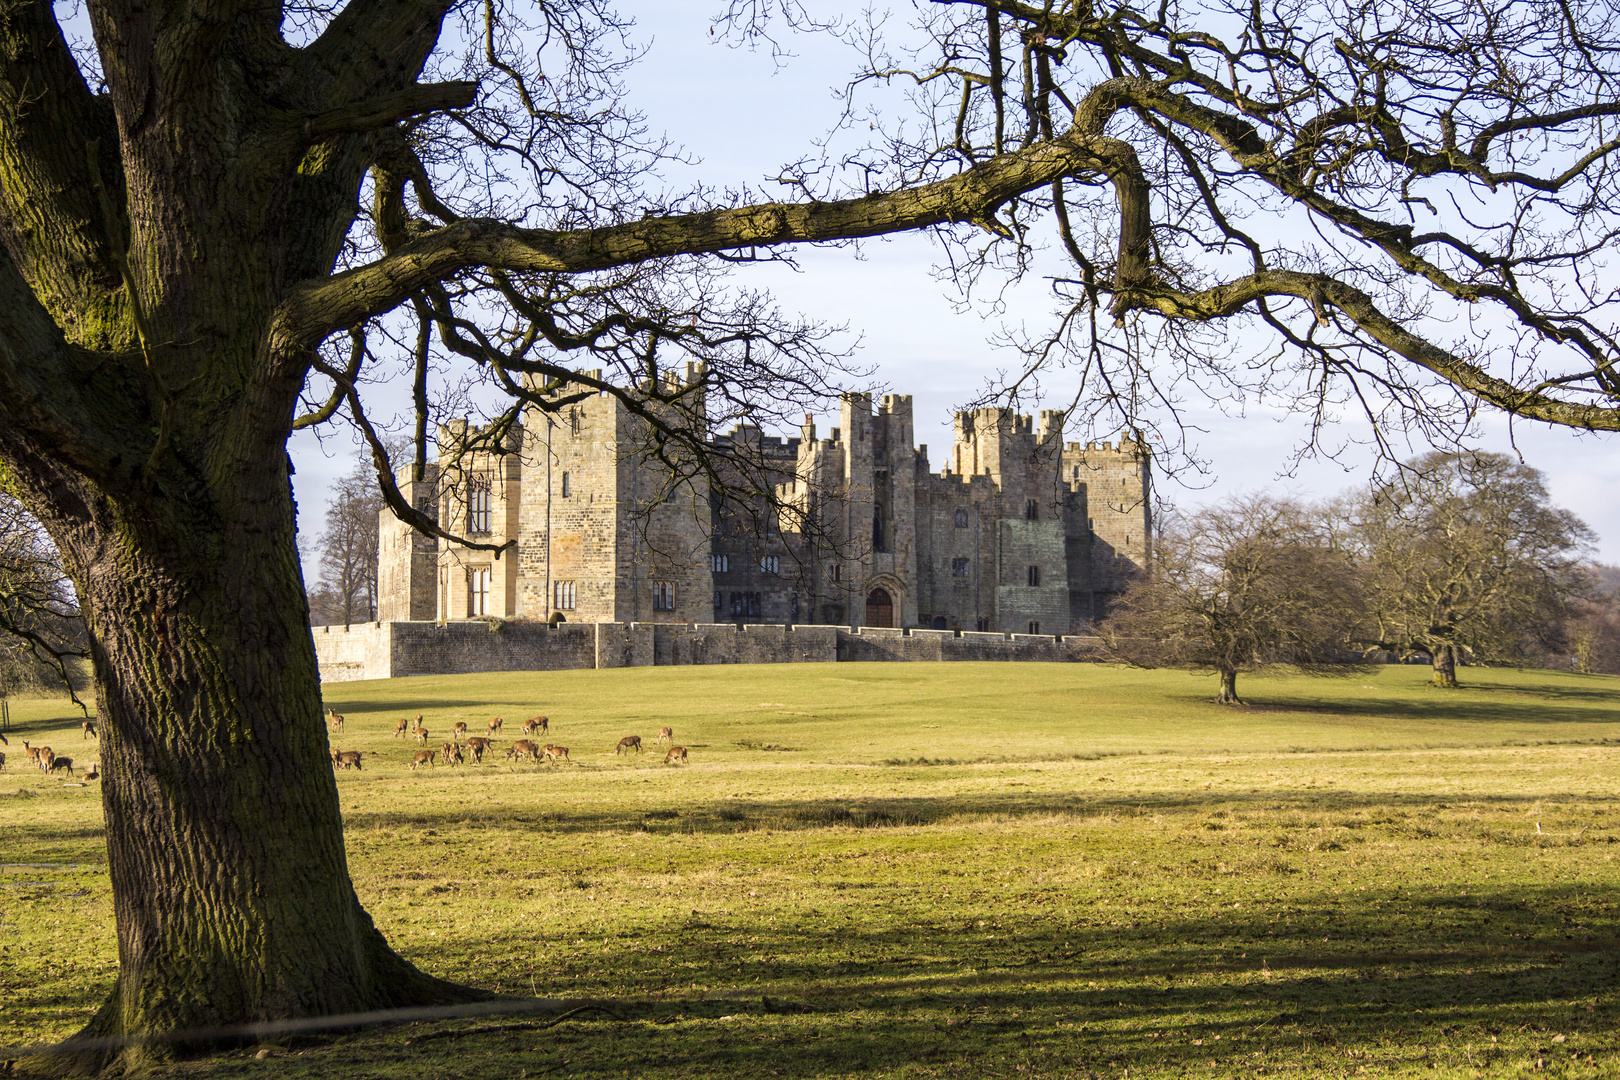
x=879 y=608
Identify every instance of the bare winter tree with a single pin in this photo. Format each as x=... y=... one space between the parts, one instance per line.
x=1250 y=582
x=347 y=587
x=1464 y=559
x=42 y=637
x=221 y=222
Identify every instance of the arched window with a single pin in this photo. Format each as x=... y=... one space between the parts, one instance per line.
x=1034 y=575
x=567 y=488
x=478 y=506
x=961 y=519
x=1032 y=509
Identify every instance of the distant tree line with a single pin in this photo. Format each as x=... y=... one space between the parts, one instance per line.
x=1460 y=559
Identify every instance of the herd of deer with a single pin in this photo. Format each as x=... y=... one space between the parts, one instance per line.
x=49 y=761
x=463 y=746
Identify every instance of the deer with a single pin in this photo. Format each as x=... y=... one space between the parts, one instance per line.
x=346 y=759
x=666 y=735
x=478 y=746
x=92 y=773
x=89 y=729
x=46 y=757
x=627 y=743
x=523 y=748
x=495 y=725
x=61 y=763
x=555 y=753
x=3 y=760
x=32 y=752
x=458 y=730
x=676 y=753
x=401 y=727
x=451 y=752
x=335 y=719
x=421 y=736
x=424 y=756
x=536 y=723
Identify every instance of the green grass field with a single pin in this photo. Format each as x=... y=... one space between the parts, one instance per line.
x=921 y=870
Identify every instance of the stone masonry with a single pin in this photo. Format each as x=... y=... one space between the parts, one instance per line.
x=1018 y=533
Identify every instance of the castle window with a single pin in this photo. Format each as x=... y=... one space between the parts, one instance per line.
x=737 y=606
x=770 y=564
x=1032 y=509
x=877 y=529
x=719 y=564
x=835 y=572
x=753 y=603
x=478 y=506
x=793 y=607
x=1077 y=472
x=573 y=421
x=563 y=595
x=1091 y=523
x=959 y=567
x=1034 y=575
x=567 y=488
x=478 y=592
x=719 y=601
x=663 y=596
x=961 y=519
x=1034 y=627
x=982 y=624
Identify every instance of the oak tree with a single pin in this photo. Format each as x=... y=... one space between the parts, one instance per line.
x=1464 y=560
x=1247 y=583
x=209 y=214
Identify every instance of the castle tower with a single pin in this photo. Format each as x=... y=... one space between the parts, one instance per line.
x=1113 y=509
x=606 y=534
x=479 y=496
x=407 y=560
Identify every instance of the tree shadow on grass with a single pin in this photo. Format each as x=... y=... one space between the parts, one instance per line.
x=739 y=816
x=1049 y=997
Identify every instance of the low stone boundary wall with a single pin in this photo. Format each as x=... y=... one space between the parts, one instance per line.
x=391 y=649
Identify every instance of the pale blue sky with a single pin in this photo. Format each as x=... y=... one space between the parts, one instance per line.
x=745 y=117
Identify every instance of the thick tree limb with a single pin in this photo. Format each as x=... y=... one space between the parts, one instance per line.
x=387 y=109
x=316 y=309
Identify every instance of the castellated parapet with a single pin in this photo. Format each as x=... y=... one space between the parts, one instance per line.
x=1018 y=533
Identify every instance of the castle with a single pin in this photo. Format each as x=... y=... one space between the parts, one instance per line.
x=1018 y=533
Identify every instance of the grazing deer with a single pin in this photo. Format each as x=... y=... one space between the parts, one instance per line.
x=335 y=719
x=3 y=760
x=424 y=756
x=401 y=727
x=458 y=730
x=478 y=744
x=421 y=736
x=627 y=743
x=452 y=753
x=495 y=725
x=62 y=763
x=523 y=748
x=536 y=723
x=346 y=759
x=46 y=756
x=89 y=729
x=555 y=753
x=666 y=735
x=676 y=753
x=92 y=773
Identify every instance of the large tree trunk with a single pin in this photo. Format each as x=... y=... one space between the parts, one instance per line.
x=225 y=846
x=1445 y=667
x=1228 y=694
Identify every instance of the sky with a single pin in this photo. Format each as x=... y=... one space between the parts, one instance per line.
x=743 y=115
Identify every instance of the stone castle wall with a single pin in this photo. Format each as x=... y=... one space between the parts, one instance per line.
x=395 y=649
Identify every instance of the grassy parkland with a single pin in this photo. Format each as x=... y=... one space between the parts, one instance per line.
x=917 y=870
